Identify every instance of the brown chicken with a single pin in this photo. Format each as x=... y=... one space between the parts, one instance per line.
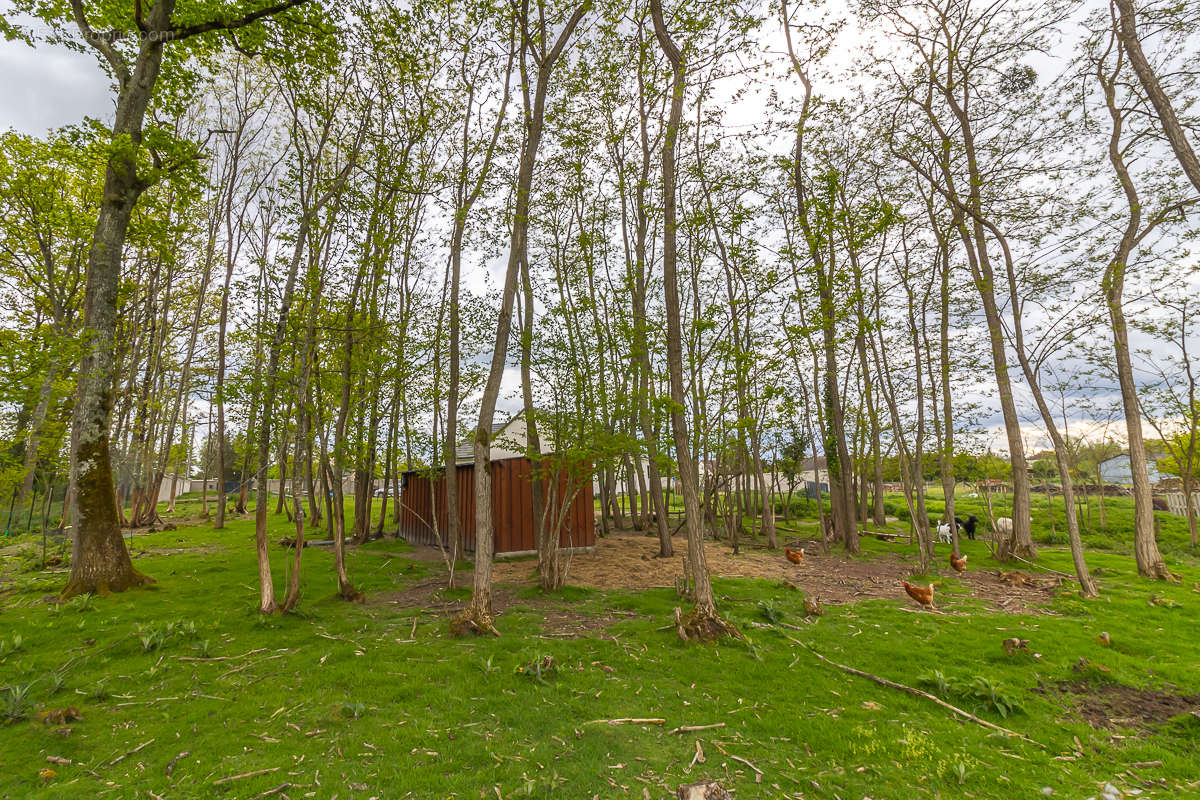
x=958 y=562
x=922 y=595
x=794 y=556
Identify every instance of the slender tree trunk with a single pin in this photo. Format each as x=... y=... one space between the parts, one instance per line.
x=33 y=441
x=1150 y=562
x=1131 y=44
x=478 y=614
x=704 y=622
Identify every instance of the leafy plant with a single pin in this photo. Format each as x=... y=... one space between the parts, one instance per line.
x=17 y=705
x=353 y=710
x=539 y=668
x=10 y=646
x=154 y=637
x=55 y=681
x=979 y=689
x=993 y=696
x=81 y=603
x=937 y=680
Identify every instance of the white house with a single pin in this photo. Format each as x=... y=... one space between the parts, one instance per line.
x=1117 y=470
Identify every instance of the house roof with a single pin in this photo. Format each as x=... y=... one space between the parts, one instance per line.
x=466 y=449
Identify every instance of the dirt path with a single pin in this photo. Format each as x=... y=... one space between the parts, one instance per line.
x=627 y=561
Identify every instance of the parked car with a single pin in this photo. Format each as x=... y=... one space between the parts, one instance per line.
x=383 y=492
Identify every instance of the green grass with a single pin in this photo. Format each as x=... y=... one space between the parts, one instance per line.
x=353 y=701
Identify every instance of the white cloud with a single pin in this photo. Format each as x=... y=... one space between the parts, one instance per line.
x=49 y=87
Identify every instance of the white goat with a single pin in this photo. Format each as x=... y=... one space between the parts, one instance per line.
x=944 y=533
x=1004 y=526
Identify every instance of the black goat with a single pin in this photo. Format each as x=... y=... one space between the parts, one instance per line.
x=967 y=525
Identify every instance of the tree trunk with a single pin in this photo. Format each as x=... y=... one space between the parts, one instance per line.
x=34 y=439
x=1127 y=33
x=100 y=561
x=478 y=614
x=704 y=621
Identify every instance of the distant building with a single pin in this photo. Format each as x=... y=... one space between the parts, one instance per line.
x=1117 y=470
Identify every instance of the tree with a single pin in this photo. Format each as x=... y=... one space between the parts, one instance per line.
x=704 y=621
x=544 y=53
x=100 y=561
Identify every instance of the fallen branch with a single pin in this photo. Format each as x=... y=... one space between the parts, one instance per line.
x=253 y=774
x=64 y=762
x=270 y=792
x=917 y=692
x=629 y=721
x=689 y=728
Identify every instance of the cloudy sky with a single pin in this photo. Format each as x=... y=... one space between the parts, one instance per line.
x=49 y=87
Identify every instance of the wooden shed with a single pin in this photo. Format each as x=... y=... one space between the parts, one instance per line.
x=423 y=496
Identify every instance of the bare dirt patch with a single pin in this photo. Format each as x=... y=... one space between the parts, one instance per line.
x=559 y=618
x=1111 y=706
x=629 y=560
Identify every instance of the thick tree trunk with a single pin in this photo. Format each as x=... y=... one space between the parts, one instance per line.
x=100 y=561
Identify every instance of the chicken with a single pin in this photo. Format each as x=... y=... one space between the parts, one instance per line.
x=958 y=562
x=922 y=595
x=794 y=556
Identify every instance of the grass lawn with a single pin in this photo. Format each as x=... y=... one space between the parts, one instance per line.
x=182 y=687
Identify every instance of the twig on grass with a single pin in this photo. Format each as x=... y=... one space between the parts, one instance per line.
x=221 y=658
x=747 y=763
x=689 y=728
x=629 y=721
x=1045 y=569
x=277 y=790
x=171 y=763
x=253 y=774
x=128 y=753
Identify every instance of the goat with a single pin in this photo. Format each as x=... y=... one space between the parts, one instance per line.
x=1004 y=526
x=944 y=533
x=967 y=525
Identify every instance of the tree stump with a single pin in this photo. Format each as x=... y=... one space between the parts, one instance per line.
x=704 y=790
